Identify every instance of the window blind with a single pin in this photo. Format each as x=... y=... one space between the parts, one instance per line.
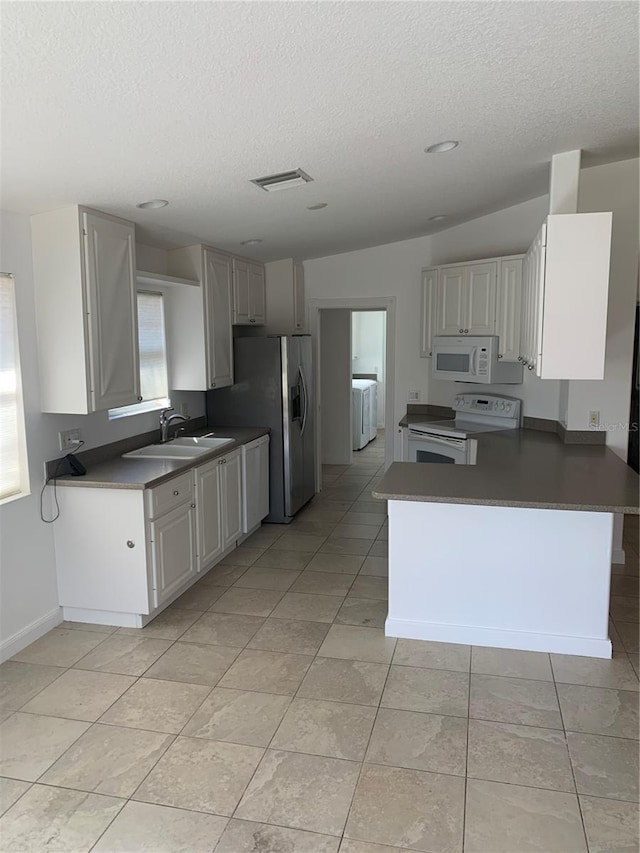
x=13 y=462
x=152 y=346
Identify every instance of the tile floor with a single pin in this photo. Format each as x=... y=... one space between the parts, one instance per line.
x=266 y=711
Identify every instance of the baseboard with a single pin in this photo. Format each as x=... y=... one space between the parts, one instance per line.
x=496 y=638
x=29 y=634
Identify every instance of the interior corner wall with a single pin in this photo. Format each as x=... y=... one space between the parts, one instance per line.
x=614 y=187
x=28 y=585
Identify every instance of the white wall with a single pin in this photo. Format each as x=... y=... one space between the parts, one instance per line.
x=28 y=589
x=368 y=350
x=612 y=187
x=335 y=386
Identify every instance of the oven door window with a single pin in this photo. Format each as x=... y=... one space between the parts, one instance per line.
x=430 y=456
x=453 y=362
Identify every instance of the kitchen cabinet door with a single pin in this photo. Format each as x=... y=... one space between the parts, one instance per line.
x=509 y=308
x=209 y=516
x=232 y=497
x=480 y=299
x=241 y=289
x=111 y=308
x=451 y=301
x=428 y=314
x=257 y=300
x=218 y=302
x=299 y=313
x=173 y=543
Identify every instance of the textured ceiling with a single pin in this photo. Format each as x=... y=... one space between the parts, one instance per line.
x=110 y=103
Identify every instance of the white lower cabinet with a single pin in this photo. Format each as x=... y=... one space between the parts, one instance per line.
x=173 y=551
x=124 y=554
x=219 y=503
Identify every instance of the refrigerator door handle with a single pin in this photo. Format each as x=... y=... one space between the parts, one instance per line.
x=303 y=385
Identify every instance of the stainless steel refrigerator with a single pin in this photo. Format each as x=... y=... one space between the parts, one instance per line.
x=273 y=387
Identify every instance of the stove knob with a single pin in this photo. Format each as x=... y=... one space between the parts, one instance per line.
x=503 y=406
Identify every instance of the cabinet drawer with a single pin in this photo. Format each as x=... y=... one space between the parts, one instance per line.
x=173 y=493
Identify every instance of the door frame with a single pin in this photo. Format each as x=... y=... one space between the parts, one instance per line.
x=368 y=303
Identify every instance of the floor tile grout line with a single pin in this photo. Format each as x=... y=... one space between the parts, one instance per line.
x=364 y=755
x=466 y=758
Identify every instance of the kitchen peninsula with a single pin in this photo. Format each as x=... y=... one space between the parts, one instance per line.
x=514 y=552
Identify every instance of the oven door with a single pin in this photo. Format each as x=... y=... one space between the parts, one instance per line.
x=436 y=448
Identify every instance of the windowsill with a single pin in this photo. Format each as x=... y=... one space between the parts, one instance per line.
x=139 y=409
x=9 y=498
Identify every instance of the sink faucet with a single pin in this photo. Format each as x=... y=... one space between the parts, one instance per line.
x=165 y=422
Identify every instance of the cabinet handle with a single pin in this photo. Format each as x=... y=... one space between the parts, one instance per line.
x=499 y=355
x=139 y=398
x=466 y=331
x=176 y=492
x=530 y=366
x=193 y=506
x=252 y=321
x=213 y=385
x=462 y=331
x=131 y=543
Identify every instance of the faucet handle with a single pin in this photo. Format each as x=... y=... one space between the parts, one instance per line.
x=165 y=412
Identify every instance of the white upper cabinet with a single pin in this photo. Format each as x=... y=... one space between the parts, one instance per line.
x=480 y=298
x=249 y=300
x=299 y=305
x=217 y=293
x=508 y=308
x=428 y=312
x=85 y=286
x=451 y=301
x=286 y=313
x=466 y=299
x=198 y=319
x=476 y=298
x=565 y=297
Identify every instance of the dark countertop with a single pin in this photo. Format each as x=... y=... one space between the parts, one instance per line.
x=132 y=473
x=520 y=468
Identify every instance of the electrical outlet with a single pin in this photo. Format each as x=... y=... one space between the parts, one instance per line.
x=594 y=419
x=69 y=439
x=184 y=409
x=414 y=396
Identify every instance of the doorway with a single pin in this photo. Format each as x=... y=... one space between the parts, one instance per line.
x=337 y=339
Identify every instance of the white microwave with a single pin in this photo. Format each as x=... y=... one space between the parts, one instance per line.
x=473 y=359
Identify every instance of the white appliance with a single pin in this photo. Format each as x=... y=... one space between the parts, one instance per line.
x=362 y=393
x=373 y=410
x=451 y=441
x=469 y=358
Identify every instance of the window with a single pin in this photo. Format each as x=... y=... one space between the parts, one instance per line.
x=14 y=473
x=152 y=347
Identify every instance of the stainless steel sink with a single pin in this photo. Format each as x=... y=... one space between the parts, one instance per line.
x=179 y=448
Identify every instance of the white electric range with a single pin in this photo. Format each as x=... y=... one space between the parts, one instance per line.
x=451 y=441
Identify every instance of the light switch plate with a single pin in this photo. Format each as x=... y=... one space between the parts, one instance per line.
x=414 y=396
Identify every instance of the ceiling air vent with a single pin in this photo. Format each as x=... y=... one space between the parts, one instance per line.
x=283 y=181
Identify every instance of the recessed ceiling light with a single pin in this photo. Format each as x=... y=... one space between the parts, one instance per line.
x=251 y=242
x=441 y=147
x=318 y=206
x=151 y=205
x=437 y=218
